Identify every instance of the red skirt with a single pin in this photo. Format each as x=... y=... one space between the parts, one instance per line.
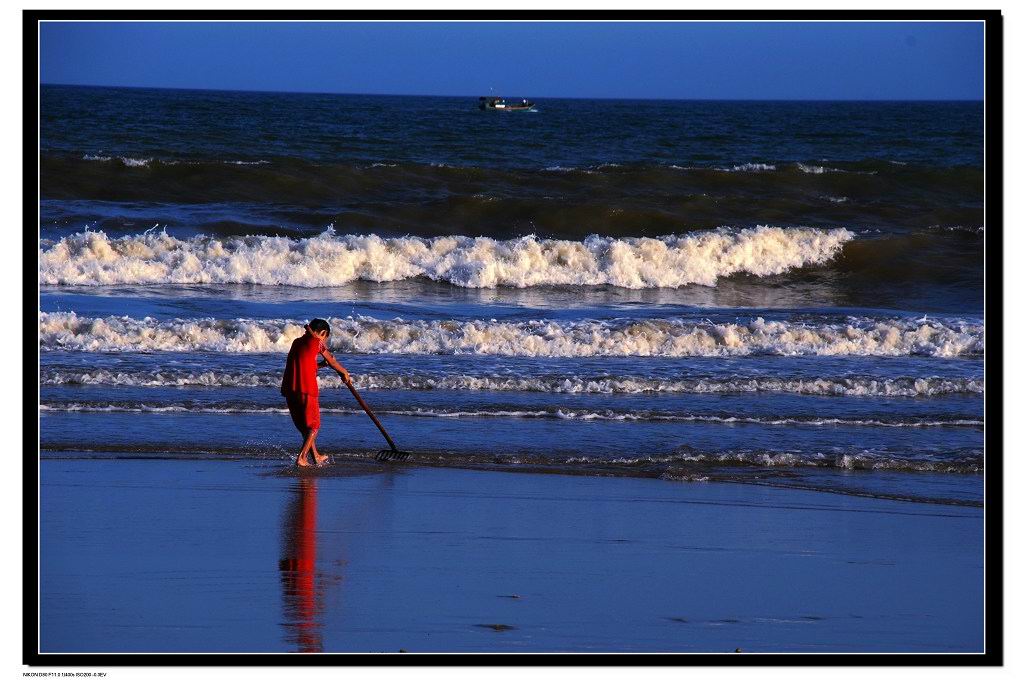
x=305 y=411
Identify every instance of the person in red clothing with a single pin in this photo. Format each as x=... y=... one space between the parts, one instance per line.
x=300 y=388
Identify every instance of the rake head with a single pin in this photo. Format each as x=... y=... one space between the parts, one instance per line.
x=393 y=455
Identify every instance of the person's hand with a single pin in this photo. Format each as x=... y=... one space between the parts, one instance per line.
x=345 y=377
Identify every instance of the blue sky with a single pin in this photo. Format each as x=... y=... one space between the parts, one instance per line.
x=857 y=61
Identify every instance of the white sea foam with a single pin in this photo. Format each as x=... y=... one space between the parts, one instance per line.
x=865 y=460
x=145 y=161
x=570 y=170
x=843 y=386
x=751 y=166
x=814 y=169
x=93 y=258
x=127 y=161
x=543 y=338
x=565 y=414
x=976 y=230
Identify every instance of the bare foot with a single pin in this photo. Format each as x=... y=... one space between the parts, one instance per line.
x=322 y=459
x=303 y=462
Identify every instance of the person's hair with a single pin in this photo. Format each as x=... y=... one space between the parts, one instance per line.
x=319 y=325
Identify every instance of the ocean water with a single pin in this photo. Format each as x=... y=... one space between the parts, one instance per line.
x=778 y=293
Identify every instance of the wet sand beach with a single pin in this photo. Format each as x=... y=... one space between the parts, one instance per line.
x=177 y=555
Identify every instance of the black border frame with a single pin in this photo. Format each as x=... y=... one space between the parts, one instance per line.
x=994 y=488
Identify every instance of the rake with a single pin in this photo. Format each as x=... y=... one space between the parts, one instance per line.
x=384 y=455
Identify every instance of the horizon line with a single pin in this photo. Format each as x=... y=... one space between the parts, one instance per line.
x=550 y=97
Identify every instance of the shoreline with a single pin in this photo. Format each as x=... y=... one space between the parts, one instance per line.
x=364 y=462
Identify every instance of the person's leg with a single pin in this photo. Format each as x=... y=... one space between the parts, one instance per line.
x=297 y=408
x=307 y=445
x=313 y=421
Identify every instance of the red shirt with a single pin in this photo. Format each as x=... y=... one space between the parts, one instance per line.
x=300 y=369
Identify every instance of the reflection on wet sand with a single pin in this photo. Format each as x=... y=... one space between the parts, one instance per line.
x=302 y=598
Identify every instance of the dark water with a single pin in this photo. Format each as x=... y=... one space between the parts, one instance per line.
x=785 y=291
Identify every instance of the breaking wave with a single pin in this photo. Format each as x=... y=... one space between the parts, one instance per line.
x=560 y=384
x=815 y=169
x=683 y=464
x=751 y=166
x=952 y=461
x=561 y=413
x=93 y=258
x=542 y=338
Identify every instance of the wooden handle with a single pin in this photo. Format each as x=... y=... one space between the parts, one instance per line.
x=369 y=412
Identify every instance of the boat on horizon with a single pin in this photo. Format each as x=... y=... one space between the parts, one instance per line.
x=502 y=105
